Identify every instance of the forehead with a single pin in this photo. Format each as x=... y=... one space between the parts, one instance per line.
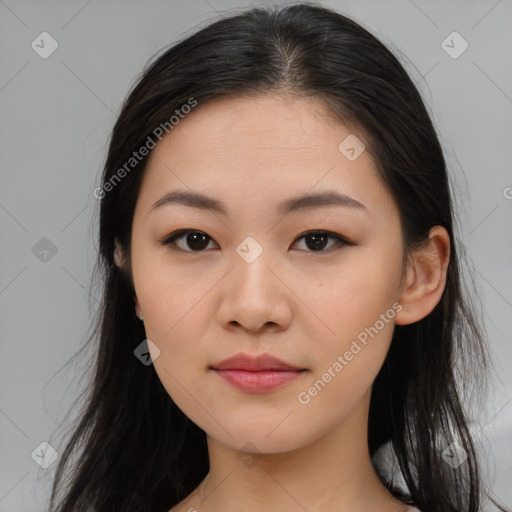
x=260 y=125
x=260 y=147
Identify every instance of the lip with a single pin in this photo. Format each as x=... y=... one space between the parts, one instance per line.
x=256 y=374
x=254 y=363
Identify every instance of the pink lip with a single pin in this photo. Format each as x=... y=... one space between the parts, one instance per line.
x=256 y=374
x=259 y=381
x=254 y=363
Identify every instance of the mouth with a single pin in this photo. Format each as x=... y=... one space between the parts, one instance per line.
x=259 y=381
x=262 y=362
x=257 y=374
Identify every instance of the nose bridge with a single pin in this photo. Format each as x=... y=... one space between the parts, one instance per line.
x=254 y=296
x=251 y=259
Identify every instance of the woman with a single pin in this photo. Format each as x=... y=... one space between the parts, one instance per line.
x=282 y=297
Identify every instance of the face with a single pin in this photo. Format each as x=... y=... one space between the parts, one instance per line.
x=315 y=284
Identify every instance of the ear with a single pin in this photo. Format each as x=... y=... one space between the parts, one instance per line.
x=138 y=310
x=425 y=278
x=120 y=262
x=118 y=254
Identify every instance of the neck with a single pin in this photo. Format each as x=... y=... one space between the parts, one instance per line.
x=332 y=473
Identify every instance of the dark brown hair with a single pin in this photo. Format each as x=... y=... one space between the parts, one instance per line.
x=138 y=451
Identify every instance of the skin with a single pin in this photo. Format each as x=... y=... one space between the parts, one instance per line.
x=303 y=306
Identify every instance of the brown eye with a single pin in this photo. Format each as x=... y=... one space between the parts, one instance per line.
x=190 y=240
x=194 y=241
x=317 y=241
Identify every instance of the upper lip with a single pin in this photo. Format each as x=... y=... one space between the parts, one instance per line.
x=254 y=363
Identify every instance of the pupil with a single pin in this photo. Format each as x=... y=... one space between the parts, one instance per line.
x=319 y=241
x=194 y=241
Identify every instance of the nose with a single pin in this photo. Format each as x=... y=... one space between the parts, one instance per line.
x=255 y=296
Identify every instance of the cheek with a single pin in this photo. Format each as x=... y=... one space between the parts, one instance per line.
x=352 y=295
x=175 y=310
x=357 y=306
x=176 y=325
x=173 y=300
x=175 y=322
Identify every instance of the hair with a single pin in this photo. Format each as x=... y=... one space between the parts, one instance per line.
x=135 y=449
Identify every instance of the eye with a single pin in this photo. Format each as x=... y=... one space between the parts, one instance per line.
x=317 y=240
x=197 y=241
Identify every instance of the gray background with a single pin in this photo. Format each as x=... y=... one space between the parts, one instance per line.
x=56 y=116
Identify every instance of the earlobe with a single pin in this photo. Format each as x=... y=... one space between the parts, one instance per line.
x=118 y=254
x=138 y=310
x=425 y=278
x=119 y=261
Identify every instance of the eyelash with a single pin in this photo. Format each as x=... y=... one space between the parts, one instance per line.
x=340 y=241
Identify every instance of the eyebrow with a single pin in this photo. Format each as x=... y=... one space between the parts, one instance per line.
x=294 y=204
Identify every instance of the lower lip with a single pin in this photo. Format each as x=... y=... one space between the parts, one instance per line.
x=259 y=382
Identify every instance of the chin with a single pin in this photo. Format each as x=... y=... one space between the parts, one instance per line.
x=258 y=436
